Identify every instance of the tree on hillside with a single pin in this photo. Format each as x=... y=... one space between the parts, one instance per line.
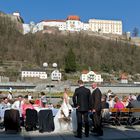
x=135 y=32
x=70 y=61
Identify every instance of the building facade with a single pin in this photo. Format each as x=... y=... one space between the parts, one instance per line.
x=106 y=26
x=91 y=76
x=56 y=75
x=60 y=24
x=33 y=74
x=26 y=28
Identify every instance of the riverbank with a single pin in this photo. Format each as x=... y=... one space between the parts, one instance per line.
x=58 y=88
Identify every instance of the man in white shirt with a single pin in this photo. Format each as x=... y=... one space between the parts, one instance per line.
x=111 y=101
x=10 y=96
x=17 y=104
x=4 y=106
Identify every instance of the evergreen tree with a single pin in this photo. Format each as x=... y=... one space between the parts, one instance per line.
x=70 y=62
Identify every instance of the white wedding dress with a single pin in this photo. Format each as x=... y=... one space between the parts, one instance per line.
x=62 y=124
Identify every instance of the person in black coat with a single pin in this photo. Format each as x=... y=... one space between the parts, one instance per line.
x=82 y=102
x=96 y=108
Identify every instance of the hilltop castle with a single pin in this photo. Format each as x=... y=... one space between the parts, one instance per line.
x=73 y=24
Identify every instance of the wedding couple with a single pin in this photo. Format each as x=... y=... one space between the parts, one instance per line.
x=72 y=119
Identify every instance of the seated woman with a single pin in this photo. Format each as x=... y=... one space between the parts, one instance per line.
x=118 y=104
x=37 y=103
x=105 y=108
x=125 y=101
x=26 y=104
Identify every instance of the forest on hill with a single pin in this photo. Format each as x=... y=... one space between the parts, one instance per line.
x=72 y=52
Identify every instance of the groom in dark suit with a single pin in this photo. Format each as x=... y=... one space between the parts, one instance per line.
x=82 y=102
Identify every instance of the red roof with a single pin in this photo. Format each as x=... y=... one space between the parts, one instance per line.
x=73 y=17
x=54 y=20
x=123 y=76
x=85 y=71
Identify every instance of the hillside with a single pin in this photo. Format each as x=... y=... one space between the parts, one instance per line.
x=89 y=51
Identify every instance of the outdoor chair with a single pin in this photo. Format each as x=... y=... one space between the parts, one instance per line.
x=12 y=121
x=46 y=122
x=124 y=116
x=114 y=113
x=31 y=120
x=135 y=116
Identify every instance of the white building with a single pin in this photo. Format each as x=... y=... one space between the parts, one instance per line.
x=106 y=26
x=33 y=74
x=85 y=26
x=16 y=14
x=26 y=28
x=73 y=23
x=30 y=28
x=56 y=75
x=91 y=76
x=60 y=24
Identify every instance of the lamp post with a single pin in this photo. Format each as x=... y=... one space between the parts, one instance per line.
x=45 y=65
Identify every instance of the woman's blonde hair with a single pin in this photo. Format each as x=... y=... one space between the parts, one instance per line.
x=26 y=101
x=116 y=99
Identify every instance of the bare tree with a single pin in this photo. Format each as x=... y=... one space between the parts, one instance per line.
x=135 y=32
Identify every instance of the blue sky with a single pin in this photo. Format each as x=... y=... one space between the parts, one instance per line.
x=36 y=10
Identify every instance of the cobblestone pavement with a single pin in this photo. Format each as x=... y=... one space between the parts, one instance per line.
x=110 y=133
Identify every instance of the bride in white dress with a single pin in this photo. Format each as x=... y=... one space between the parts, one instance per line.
x=63 y=119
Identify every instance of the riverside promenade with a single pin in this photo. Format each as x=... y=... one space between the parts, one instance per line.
x=110 y=133
x=55 y=87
